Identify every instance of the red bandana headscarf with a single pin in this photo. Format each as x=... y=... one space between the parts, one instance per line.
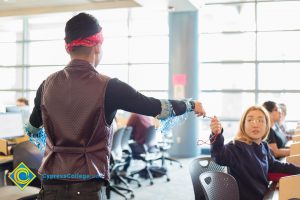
x=86 y=42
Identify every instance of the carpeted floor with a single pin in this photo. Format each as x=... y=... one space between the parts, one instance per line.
x=179 y=188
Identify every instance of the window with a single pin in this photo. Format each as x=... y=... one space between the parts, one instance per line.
x=11 y=78
x=282 y=15
x=221 y=47
x=37 y=75
x=153 y=79
x=279 y=76
x=279 y=45
x=33 y=47
x=227 y=18
x=149 y=49
x=115 y=50
x=227 y=105
x=249 y=53
x=227 y=76
x=10 y=54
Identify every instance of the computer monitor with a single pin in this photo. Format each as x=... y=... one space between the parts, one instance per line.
x=24 y=110
x=11 y=125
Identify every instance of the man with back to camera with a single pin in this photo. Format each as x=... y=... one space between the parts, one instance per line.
x=76 y=106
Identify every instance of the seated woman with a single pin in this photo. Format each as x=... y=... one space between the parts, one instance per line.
x=248 y=157
x=276 y=139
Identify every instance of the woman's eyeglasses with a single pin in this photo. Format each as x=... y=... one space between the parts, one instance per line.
x=256 y=121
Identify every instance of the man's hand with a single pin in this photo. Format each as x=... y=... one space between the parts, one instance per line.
x=199 y=110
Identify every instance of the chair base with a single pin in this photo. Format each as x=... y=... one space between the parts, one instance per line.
x=116 y=189
x=151 y=172
x=173 y=160
x=129 y=179
x=145 y=170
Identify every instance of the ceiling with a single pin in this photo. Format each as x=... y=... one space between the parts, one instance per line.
x=29 y=7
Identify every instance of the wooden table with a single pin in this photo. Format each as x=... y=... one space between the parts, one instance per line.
x=6 y=159
x=6 y=163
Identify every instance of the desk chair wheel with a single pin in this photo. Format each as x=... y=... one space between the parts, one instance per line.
x=168 y=179
x=139 y=185
x=151 y=183
x=172 y=160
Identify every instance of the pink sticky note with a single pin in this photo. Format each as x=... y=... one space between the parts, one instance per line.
x=179 y=79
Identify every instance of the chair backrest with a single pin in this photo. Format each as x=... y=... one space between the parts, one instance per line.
x=29 y=154
x=125 y=139
x=295 y=148
x=295 y=159
x=138 y=150
x=199 y=166
x=116 y=148
x=219 y=186
x=289 y=187
x=150 y=139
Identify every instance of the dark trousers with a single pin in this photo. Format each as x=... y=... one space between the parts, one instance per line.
x=90 y=190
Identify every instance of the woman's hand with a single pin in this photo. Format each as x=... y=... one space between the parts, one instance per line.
x=215 y=125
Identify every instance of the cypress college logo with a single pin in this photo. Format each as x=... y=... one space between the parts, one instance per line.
x=22 y=176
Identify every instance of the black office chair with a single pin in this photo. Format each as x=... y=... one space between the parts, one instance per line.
x=116 y=163
x=127 y=154
x=148 y=153
x=219 y=186
x=199 y=166
x=125 y=139
x=116 y=148
x=29 y=154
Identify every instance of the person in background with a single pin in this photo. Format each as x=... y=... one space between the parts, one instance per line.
x=22 y=102
x=248 y=156
x=282 y=122
x=139 y=124
x=23 y=107
x=276 y=138
x=76 y=107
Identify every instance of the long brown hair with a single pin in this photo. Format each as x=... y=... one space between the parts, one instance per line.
x=241 y=134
